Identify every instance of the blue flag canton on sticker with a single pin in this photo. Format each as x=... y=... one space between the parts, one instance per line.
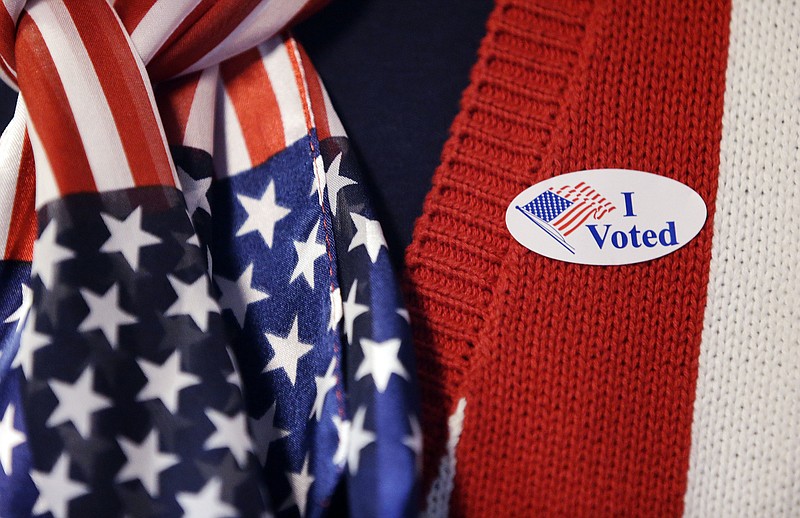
x=547 y=206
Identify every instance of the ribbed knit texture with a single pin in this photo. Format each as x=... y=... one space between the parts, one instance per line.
x=579 y=380
x=460 y=240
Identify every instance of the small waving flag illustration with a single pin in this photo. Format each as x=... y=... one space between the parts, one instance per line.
x=561 y=212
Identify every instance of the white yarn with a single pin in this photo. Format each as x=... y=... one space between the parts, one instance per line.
x=438 y=501
x=745 y=456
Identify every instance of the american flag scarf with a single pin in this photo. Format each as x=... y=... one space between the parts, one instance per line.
x=199 y=316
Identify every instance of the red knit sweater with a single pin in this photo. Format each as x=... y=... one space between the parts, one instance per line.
x=579 y=380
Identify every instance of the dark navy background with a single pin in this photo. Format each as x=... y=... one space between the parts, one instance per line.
x=395 y=72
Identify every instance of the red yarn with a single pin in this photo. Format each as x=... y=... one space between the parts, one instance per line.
x=579 y=380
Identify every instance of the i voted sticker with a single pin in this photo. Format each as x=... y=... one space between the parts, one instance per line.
x=606 y=217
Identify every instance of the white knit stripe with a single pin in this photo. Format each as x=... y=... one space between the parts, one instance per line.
x=269 y=17
x=334 y=123
x=230 y=148
x=745 y=455
x=87 y=101
x=438 y=500
x=199 y=131
x=284 y=84
x=158 y=25
x=46 y=186
x=11 y=142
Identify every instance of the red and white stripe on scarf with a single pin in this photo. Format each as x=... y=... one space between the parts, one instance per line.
x=91 y=119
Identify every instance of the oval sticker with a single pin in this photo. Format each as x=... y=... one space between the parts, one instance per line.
x=606 y=217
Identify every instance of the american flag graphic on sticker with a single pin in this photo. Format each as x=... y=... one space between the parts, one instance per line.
x=559 y=212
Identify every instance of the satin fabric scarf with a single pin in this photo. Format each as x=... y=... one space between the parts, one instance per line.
x=209 y=321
